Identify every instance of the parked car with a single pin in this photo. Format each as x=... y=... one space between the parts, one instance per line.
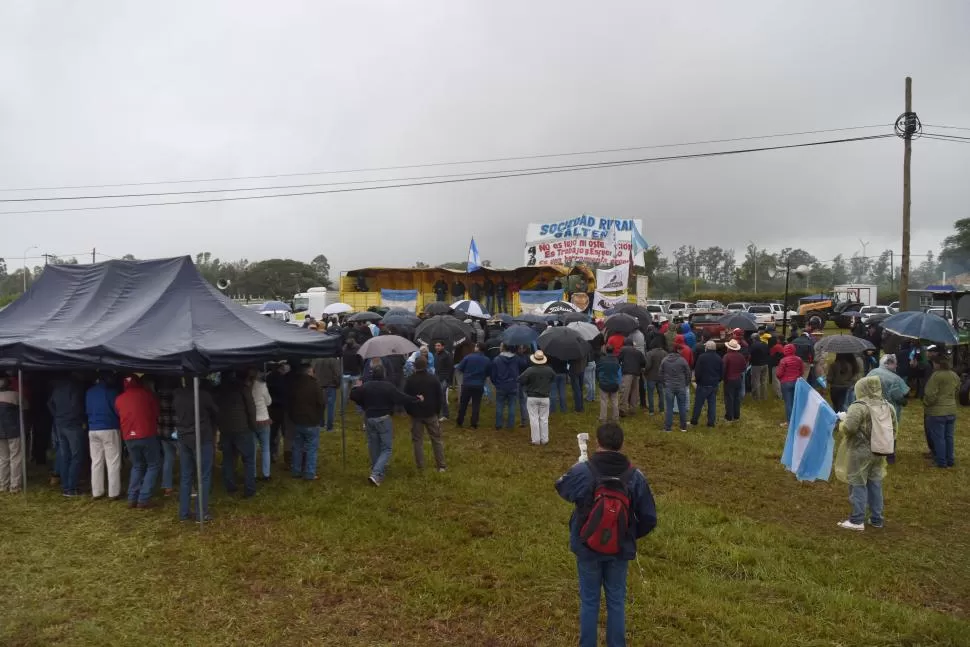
x=946 y=313
x=866 y=311
x=738 y=306
x=894 y=306
x=657 y=312
x=779 y=310
x=679 y=308
x=706 y=323
x=763 y=313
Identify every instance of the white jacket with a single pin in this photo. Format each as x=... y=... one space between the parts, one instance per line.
x=262 y=400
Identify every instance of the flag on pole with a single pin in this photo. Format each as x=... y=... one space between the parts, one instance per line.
x=610 y=241
x=810 y=445
x=639 y=243
x=474 y=262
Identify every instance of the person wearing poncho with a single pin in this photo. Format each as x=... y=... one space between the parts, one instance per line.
x=855 y=464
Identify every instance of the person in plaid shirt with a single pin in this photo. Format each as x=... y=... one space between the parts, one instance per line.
x=167 y=435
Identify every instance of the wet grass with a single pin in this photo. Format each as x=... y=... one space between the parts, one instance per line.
x=743 y=555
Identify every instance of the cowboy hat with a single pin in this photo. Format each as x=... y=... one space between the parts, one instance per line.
x=538 y=357
x=733 y=345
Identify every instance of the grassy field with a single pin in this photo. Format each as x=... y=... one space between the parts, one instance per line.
x=478 y=556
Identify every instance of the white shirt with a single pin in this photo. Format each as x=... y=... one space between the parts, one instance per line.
x=262 y=400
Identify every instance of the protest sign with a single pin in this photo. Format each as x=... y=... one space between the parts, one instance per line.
x=585 y=239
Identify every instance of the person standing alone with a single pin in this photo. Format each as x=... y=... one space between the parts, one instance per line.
x=474 y=369
x=537 y=381
x=614 y=507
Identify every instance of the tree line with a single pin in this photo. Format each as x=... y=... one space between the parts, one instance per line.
x=266 y=279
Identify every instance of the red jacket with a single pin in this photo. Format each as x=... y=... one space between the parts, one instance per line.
x=685 y=350
x=790 y=367
x=616 y=341
x=138 y=410
x=734 y=365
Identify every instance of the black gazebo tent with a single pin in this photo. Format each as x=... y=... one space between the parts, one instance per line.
x=157 y=316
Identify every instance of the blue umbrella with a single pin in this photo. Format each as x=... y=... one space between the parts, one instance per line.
x=529 y=317
x=519 y=335
x=921 y=325
x=270 y=306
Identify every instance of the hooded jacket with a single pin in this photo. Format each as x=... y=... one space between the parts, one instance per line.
x=616 y=341
x=790 y=367
x=66 y=404
x=689 y=337
x=685 y=350
x=577 y=485
x=674 y=372
x=138 y=411
x=654 y=358
x=505 y=373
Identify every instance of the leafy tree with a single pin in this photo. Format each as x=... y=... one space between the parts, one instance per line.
x=420 y=265
x=3 y=268
x=955 y=257
x=926 y=273
x=322 y=267
x=129 y=257
x=840 y=270
x=880 y=270
x=859 y=267
x=279 y=277
x=796 y=257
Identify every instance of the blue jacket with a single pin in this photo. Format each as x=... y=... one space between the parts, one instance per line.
x=66 y=404
x=576 y=486
x=99 y=402
x=708 y=368
x=474 y=368
x=689 y=337
x=505 y=373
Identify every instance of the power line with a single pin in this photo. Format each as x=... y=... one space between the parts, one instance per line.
x=496 y=176
x=947 y=127
x=945 y=138
x=452 y=163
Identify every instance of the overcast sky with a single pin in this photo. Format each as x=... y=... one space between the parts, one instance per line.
x=111 y=92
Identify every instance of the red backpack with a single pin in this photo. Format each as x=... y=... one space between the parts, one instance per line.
x=608 y=519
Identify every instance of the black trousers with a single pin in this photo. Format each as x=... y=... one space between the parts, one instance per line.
x=473 y=394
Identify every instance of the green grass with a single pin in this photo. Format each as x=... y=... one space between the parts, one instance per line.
x=478 y=556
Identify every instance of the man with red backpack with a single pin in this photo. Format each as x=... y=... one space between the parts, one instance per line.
x=614 y=508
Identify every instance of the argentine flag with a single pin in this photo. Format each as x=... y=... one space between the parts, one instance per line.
x=473 y=260
x=639 y=243
x=809 y=448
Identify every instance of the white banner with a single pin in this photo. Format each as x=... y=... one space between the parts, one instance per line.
x=407 y=299
x=603 y=302
x=585 y=239
x=613 y=279
x=643 y=289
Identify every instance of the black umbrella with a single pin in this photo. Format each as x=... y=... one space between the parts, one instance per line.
x=444 y=328
x=559 y=306
x=843 y=344
x=364 y=316
x=437 y=308
x=621 y=323
x=634 y=310
x=747 y=324
x=563 y=343
x=400 y=319
x=519 y=335
x=572 y=317
x=528 y=317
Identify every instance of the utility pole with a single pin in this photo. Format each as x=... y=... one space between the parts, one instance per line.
x=892 y=270
x=94 y=254
x=909 y=128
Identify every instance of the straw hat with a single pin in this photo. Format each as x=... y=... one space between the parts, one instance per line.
x=733 y=345
x=538 y=357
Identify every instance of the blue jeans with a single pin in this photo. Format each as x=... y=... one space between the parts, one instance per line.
x=243 y=445
x=732 y=399
x=589 y=381
x=939 y=429
x=71 y=443
x=262 y=439
x=862 y=495
x=576 y=382
x=608 y=575
x=558 y=393
x=380 y=438
x=705 y=395
x=505 y=401
x=345 y=385
x=330 y=399
x=306 y=440
x=187 y=470
x=144 y=455
x=169 y=450
x=680 y=396
x=651 y=388
x=788 y=395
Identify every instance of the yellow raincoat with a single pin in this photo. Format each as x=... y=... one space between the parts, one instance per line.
x=855 y=463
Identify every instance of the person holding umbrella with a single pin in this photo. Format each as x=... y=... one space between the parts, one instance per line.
x=445 y=363
x=424 y=414
x=537 y=382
